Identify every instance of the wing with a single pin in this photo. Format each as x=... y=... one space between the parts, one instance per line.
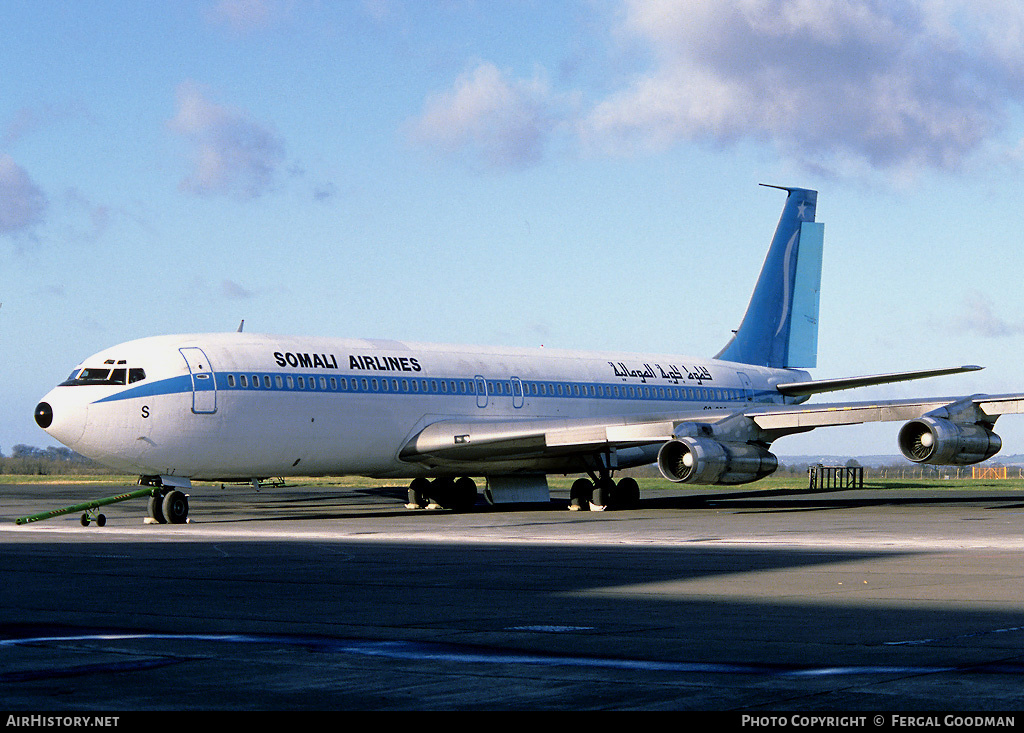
x=946 y=430
x=793 y=418
x=535 y=442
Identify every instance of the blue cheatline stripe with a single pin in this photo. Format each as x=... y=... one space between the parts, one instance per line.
x=439 y=386
x=173 y=385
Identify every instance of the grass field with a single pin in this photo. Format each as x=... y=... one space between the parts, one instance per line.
x=562 y=483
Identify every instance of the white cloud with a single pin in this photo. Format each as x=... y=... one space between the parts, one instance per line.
x=232 y=154
x=22 y=203
x=234 y=291
x=978 y=317
x=29 y=120
x=896 y=86
x=243 y=16
x=505 y=122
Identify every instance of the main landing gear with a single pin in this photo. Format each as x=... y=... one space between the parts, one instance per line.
x=442 y=493
x=602 y=493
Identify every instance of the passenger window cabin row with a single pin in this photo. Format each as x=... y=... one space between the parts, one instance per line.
x=494 y=388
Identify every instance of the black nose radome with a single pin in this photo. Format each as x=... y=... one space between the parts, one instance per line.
x=44 y=415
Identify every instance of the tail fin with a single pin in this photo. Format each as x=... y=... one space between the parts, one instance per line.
x=780 y=328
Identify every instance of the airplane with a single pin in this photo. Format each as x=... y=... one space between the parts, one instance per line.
x=245 y=407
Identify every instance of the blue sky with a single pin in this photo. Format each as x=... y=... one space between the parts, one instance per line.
x=579 y=174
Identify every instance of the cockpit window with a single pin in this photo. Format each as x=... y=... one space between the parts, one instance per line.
x=92 y=376
x=98 y=375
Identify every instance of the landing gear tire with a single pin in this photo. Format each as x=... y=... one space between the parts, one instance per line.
x=418 y=494
x=175 y=507
x=627 y=493
x=156 y=511
x=464 y=495
x=580 y=494
x=440 y=492
x=604 y=495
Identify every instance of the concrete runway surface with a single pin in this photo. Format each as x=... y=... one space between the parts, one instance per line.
x=340 y=598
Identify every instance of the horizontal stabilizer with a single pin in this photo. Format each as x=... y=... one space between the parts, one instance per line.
x=803 y=389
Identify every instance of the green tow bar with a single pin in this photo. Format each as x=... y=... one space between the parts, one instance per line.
x=89 y=508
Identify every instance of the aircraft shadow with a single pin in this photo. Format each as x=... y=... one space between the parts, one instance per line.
x=317 y=506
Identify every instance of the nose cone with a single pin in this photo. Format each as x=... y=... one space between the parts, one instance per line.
x=44 y=415
x=62 y=415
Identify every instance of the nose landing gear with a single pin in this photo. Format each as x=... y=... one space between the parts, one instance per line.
x=168 y=506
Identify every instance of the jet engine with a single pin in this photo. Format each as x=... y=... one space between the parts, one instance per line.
x=939 y=441
x=705 y=461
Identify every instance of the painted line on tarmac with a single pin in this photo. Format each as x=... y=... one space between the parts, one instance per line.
x=482 y=534
x=452 y=653
x=943 y=639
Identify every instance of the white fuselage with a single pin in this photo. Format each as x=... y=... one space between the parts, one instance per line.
x=237 y=405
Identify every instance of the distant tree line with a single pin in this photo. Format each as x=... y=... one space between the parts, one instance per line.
x=897 y=469
x=901 y=470
x=33 y=461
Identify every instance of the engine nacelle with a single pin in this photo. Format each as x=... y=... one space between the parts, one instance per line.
x=939 y=441
x=705 y=461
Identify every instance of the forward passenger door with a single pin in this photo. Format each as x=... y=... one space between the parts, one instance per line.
x=204 y=384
